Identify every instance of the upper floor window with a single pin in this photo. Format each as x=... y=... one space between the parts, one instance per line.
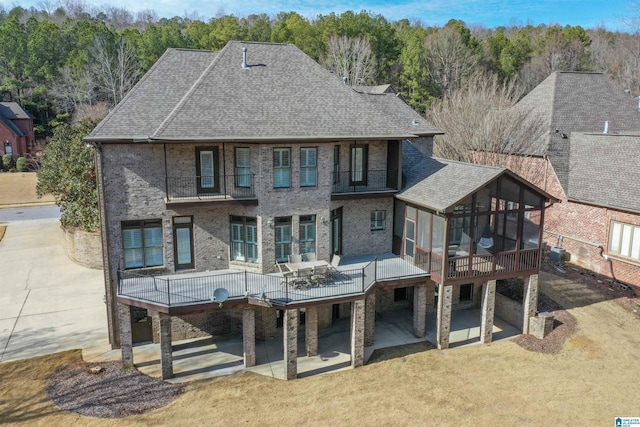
x=281 y=167
x=207 y=166
x=358 y=170
x=307 y=234
x=308 y=167
x=183 y=241
x=283 y=238
x=336 y=164
x=378 y=220
x=142 y=243
x=244 y=239
x=243 y=167
x=624 y=240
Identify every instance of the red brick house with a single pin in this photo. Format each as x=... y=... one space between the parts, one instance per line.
x=16 y=130
x=588 y=158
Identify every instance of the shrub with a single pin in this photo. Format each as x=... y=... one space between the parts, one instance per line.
x=22 y=165
x=7 y=161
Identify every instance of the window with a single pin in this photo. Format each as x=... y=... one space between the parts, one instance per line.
x=308 y=167
x=183 y=241
x=358 y=172
x=624 y=240
x=281 y=167
x=207 y=166
x=243 y=167
x=466 y=293
x=142 y=243
x=377 y=220
x=307 y=234
x=283 y=238
x=244 y=239
x=8 y=148
x=336 y=164
x=410 y=231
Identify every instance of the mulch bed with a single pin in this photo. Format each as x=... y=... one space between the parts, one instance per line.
x=114 y=392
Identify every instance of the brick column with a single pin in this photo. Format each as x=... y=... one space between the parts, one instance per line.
x=126 y=336
x=249 y=337
x=311 y=331
x=420 y=310
x=431 y=296
x=357 y=333
x=166 y=352
x=445 y=296
x=290 y=344
x=370 y=319
x=488 y=305
x=530 y=304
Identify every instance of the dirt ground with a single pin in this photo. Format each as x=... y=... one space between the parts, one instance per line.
x=19 y=189
x=590 y=381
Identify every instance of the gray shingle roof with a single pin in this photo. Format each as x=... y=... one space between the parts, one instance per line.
x=11 y=111
x=283 y=94
x=578 y=102
x=605 y=170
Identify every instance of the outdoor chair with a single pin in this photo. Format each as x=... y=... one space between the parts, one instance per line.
x=311 y=256
x=295 y=258
x=335 y=262
x=319 y=276
x=287 y=275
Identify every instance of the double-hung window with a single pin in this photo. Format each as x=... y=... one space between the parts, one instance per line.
x=244 y=239
x=624 y=240
x=243 y=167
x=283 y=238
x=281 y=167
x=307 y=234
x=358 y=171
x=183 y=241
x=142 y=243
x=308 y=167
x=377 y=220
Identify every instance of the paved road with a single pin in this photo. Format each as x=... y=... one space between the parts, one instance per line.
x=35 y=212
x=47 y=302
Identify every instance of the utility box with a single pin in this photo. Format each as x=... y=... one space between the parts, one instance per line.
x=556 y=254
x=541 y=325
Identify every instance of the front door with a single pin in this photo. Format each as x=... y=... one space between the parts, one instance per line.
x=207 y=166
x=336 y=231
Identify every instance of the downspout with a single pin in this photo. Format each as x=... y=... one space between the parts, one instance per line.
x=166 y=174
x=546 y=168
x=224 y=168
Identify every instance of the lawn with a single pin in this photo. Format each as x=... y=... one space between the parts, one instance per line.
x=19 y=189
x=590 y=382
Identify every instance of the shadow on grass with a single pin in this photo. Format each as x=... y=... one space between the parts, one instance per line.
x=382 y=354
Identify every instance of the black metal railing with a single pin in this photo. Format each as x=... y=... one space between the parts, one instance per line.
x=361 y=182
x=203 y=187
x=194 y=288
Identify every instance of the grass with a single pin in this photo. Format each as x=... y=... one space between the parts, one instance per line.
x=19 y=189
x=590 y=382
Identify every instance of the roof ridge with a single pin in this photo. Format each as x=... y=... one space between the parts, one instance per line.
x=189 y=93
x=500 y=168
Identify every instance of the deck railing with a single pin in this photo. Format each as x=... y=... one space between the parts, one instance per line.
x=479 y=265
x=350 y=182
x=193 y=288
x=204 y=187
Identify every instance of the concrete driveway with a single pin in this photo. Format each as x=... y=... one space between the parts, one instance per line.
x=47 y=302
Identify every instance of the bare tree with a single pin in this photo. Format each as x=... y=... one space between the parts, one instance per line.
x=72 y=90
x=351 y=58
x=448 y=60
x=114 y=67
x=482 y=126
x=617 y=54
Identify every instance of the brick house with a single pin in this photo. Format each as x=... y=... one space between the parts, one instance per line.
x=588 y=158
x=219 y=165
x=17 y=136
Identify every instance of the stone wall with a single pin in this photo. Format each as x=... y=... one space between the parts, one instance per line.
x=509 y=310
x=203 y=325
x=83 y=247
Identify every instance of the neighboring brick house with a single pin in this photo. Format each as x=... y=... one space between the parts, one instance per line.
x=589 y=158
x=16 y=130
x=218 y=165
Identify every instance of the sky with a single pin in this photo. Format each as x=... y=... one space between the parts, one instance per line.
x=490 y=13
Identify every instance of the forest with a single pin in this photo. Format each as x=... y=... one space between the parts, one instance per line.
x=72 y=60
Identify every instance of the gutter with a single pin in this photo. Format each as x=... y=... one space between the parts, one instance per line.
x=276 y=139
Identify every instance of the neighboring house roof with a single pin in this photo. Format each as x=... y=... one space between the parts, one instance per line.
x=379 y=89
x=282 y=94
x=604 y=170
x=10 y=111
x=440 y=184
x=570 y=102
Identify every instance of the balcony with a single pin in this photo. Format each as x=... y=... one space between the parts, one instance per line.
x=237 y=189
x=351 y=183
x=188 y=292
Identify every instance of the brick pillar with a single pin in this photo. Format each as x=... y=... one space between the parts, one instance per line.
x=431 y=297
x=166 y=352
x=370 y=319
x=488 y=305
x=530 y=304
x=357 y=333
x=311 y=331
x=290 y=344
x=126 y=336
x=445 y=296
x=249 y=337
x=420 y=310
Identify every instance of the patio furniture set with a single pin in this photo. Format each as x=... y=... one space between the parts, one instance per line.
x=305 y=271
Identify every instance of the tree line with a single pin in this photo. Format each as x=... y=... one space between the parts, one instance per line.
x=61 y=61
